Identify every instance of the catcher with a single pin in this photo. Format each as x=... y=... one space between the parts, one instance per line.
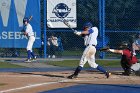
x=128 y=60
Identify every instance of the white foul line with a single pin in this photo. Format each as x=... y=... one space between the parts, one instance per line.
x=13 y=76
x=40 y=84
x=33 y=85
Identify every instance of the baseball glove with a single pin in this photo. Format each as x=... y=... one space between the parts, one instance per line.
x=22 y=30
x=83 y=35
x=104 y=49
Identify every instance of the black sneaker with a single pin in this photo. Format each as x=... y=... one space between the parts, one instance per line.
x=107 y=74
x=27 y=60
x=72 y=76
x=128 y=74
x=34 y=59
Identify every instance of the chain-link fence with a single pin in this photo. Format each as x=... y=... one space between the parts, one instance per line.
x=121 y=24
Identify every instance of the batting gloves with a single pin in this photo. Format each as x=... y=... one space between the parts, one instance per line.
x=77 y=33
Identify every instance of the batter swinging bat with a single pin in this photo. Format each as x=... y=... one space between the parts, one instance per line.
x=68 y=25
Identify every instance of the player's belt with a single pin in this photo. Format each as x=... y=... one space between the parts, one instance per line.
x=92 y=45
x=31 y=35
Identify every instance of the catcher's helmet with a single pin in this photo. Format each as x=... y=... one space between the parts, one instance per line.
x=87 y=24
x=124 y=44
x=26 y=19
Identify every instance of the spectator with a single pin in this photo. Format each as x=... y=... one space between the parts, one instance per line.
x=60 y=47
x=40 y=50
x=15 y=52
x=52 y=46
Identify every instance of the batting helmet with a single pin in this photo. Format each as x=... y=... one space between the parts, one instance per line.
x=26 y=19
x=87 y=24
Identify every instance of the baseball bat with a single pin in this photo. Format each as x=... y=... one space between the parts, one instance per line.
x=68 y=25
x=30 y=18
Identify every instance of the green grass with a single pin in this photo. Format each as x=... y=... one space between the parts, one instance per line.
x=74 y=63
x=67 y=63
x=9 y=65
x=72 y=53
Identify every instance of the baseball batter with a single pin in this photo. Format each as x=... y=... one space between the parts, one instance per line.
x=90 y=40
x=28 y=31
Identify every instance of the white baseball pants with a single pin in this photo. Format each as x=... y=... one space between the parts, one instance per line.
x=89 y=56
x=30 y=43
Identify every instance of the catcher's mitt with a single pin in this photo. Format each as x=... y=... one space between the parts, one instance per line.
x=104 y=49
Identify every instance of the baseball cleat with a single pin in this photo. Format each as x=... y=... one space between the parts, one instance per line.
x=107 y=74
x=72 y=76
x=34 y=59
x=131 y=73
x=27 y=60
x=125 y=73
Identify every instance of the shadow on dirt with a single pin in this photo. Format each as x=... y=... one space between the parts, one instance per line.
x=48 y=75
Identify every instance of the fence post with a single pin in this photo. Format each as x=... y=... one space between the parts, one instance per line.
x=102 y=24
x=45 y=36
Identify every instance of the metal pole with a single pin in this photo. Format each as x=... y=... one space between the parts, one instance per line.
x=102 y=24
x=100 y=17
x=45 y=36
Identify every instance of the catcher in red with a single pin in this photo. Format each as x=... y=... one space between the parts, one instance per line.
x=127 y=59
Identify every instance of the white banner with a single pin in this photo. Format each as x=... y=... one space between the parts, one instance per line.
x=59 y=10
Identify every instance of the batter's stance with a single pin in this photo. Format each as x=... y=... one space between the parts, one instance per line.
x=28 y=31
x=90 y=40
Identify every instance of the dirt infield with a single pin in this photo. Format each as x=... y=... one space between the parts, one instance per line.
x=34 y=82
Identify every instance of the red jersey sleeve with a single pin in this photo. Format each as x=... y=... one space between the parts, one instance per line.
x=131 y=59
